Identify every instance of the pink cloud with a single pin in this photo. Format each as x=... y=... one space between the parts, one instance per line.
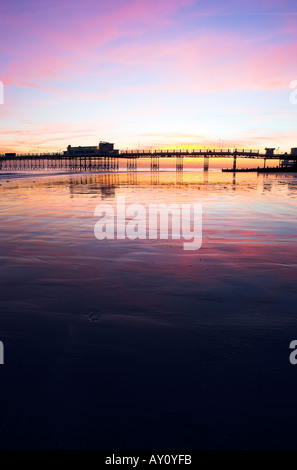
x=133 y=49
x=201 y=60
x=49 y=51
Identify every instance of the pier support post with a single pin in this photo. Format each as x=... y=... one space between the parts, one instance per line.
x=132 y=164
x=234 y=163
x=206 y=163
x=155 y=163
x=179 y=163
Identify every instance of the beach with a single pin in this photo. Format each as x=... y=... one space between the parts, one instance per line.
x=139 y=343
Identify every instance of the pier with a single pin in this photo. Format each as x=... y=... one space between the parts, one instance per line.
x=107 y=159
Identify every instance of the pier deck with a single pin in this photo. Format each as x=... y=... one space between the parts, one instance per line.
x=110 y=161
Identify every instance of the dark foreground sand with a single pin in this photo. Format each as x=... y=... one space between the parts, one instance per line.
x=128 y=344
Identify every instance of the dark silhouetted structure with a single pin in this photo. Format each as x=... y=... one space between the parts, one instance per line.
x=104 y=148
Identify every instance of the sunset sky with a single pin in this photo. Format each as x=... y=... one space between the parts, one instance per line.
x=147 y=73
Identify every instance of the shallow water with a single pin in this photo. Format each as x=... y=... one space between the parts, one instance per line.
x=119 y=344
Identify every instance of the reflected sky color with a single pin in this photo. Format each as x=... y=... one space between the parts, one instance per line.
x=138 y=343
x=147 y=73
x=47 y=236
x=58 y=212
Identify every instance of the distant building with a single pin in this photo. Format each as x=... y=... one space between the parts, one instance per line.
x=104 y=148
x=269 y=151
x=80 y=150
x=290 y=163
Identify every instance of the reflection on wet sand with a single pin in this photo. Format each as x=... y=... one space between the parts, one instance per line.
x=138 y=343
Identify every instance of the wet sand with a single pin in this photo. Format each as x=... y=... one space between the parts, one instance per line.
x=122 y=344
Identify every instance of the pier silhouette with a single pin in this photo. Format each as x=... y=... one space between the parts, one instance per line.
x=75 y=159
